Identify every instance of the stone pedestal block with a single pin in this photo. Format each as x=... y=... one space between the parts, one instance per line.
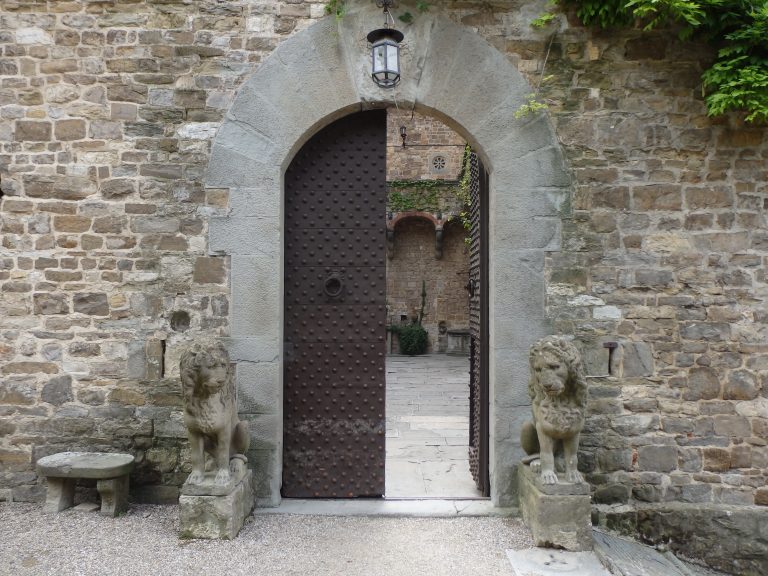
x=558 y=515
x=114 y=495
x=217 y=517
x=60 y=495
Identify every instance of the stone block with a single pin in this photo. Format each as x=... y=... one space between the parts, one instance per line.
x=716 y=459
x=711 y=331
x=657 y=197
x=117 y=188
x=236 y=235
x=255 y=296
x=741 y=385
x=71 y=223
x=59 y=187
x=31 y=131
x=636 y=359
x=703 y=384
x=258 y=387
x=217 y=517
x=58 y=390
x=559 y=515
x=210 y=270
x=646 y=48
x=657 y=458
x=47 y=304
x=70 y=129
x=92 y=304
x=732 y=425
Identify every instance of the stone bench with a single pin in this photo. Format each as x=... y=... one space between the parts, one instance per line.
x=109 y=470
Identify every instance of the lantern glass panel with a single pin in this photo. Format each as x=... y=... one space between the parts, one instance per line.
x=379 y=58
x=392 y=58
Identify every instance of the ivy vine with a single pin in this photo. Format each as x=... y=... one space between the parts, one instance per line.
x=738 y=29
x=418 y=195
x=463 y=194
x=738 y=79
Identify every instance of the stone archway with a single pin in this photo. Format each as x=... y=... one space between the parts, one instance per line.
x=321 y=74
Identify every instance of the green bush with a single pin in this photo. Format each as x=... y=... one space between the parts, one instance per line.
x=413 y=339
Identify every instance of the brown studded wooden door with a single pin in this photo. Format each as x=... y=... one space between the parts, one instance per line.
x=335 y=312
x=478 y=324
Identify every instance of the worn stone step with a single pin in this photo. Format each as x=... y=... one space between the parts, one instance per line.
x=625 y=557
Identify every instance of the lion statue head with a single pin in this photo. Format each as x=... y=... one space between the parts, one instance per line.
x=557 y=371
x=205 y=369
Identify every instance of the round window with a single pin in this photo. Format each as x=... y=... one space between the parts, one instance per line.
x=438 y=163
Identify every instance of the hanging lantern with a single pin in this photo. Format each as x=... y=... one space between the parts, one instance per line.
x=385 y=54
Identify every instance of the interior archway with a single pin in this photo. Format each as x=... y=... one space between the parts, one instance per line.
x=320 y=75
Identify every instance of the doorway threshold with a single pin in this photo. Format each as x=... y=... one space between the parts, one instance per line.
x=395 y=507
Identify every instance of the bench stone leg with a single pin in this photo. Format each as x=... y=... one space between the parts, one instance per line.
x=114 y=495
x=60 y=494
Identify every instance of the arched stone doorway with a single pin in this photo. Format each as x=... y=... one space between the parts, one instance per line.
x=321 y=74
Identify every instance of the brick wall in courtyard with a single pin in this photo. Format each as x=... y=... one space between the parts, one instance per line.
x=414 y=257
x=427 y=140
x=107 y=112
x=414 y=261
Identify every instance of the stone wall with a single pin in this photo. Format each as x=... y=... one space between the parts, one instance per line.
x=447 y=303
x=427 y=140
x=413 y=258
x=108 y=110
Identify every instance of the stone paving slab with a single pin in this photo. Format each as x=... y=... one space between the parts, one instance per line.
x=548 y=562
x=398 y=507
x=428 y=427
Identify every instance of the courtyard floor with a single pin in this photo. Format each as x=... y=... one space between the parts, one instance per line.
x=428 y=427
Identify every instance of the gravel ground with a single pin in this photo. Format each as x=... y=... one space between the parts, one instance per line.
x=145 y=542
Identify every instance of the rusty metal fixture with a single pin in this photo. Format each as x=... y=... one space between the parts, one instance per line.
x=611 y=346
x=335 y=312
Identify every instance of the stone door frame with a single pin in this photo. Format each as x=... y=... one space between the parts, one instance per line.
x=321 y=74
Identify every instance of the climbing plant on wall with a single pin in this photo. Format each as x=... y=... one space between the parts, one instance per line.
x=738 y=29
x=738 y=79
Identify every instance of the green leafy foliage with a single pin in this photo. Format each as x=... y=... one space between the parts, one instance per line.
x=462 y=193
x=336 y=7
x=419 y=195
x=738 y=80
x=543 y=20
x=530 y=106
x=412 y=337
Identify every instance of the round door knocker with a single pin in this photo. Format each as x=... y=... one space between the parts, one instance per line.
x=333 y=286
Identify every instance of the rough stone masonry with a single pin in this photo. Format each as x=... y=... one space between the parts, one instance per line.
x=107 y=113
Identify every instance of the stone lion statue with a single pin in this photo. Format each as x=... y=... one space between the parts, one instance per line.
x=558 y=391
x=210 y=413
